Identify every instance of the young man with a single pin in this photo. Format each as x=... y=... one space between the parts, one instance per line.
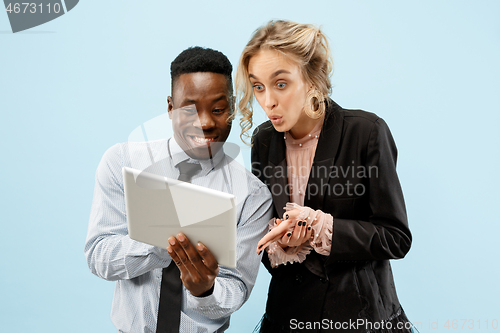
x=200 y=108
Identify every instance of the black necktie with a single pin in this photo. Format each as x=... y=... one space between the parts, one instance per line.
x=169 y=308
x=187 y=170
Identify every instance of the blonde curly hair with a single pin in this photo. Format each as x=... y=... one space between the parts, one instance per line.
x=304 y=44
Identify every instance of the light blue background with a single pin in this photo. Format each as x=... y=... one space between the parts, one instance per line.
x=73 y=87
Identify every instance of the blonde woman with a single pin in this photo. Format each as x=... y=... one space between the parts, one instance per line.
x=339 y=207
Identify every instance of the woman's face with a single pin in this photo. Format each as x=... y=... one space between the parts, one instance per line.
x=279 y=88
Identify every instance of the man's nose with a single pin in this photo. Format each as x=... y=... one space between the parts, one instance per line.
x=204 y=120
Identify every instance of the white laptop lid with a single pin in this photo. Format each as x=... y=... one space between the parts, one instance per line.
x=159 y=207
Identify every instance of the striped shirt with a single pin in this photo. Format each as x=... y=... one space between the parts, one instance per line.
x=137 y=267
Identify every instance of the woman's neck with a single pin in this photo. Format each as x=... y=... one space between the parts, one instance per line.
x=304 y=126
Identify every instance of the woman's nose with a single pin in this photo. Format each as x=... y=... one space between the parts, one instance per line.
x=270 y=101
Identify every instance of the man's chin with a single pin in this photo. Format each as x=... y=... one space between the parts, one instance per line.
x=204 y=152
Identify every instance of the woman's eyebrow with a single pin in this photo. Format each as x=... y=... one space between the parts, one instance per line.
x=278 y=72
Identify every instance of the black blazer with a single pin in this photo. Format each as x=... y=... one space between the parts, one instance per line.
x=353 y=178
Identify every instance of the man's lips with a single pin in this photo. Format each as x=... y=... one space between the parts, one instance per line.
x=202 y=140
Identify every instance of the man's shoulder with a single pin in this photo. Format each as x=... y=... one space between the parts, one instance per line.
x=134 y=154
x=242 y=174
x=144 y=146
x=136 y=146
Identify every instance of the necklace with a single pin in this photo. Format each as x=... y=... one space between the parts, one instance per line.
x=306 y=141
x=303 y=141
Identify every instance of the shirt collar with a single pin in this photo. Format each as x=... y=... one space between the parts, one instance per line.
x=178 y=155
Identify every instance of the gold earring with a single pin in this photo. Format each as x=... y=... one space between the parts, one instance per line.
x=315 y=104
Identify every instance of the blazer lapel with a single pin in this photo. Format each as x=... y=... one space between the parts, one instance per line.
x=278 y=177
x=324 y=158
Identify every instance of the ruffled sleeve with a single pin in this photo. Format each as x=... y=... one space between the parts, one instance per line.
x=321 y=237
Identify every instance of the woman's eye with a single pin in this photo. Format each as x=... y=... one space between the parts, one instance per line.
x=258 y=87
x=281 y=85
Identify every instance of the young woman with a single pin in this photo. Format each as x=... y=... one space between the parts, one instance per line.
x=339 y=207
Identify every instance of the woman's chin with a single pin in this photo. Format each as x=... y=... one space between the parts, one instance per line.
x=280 y=127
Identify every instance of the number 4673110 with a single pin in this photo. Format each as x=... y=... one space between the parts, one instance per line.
x=26 y=7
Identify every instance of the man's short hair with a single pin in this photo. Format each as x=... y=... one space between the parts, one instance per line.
x=198 y=59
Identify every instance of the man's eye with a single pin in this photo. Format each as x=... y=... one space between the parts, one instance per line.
x=218 y=111
x=189 y=109
x=281 y=85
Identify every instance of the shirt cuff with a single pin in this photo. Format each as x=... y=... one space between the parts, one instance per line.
x=322 y=225
x=160 y=252
x=204 y=304
x=279 y=256
x=321 y=237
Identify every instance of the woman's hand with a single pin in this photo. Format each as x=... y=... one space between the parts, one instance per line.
x=274 y=235
x=301 y=230
x=289 y=232
x=301 y=234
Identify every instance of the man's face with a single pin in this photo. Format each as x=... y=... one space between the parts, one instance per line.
x=199 y=108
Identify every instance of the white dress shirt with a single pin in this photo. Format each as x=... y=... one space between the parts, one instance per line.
x=137 y=267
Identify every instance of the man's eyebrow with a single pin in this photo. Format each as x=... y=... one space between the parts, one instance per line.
x=188 y=101
x=221 y=97
x=192 y=101
x=278 y=72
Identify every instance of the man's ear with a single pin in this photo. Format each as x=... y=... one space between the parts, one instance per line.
x=234 y=104
x=170 y=106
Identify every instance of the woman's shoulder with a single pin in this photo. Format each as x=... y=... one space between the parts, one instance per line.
x=351 y=115
x=356 y=121
x=360 y=115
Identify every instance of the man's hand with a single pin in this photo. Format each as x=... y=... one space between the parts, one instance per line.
x=198 y=266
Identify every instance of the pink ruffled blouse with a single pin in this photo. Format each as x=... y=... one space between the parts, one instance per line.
x=299 y=158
